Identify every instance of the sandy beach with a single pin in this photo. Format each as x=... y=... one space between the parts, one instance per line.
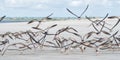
x=82 y=26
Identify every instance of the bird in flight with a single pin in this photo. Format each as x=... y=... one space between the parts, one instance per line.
x=77 y=15
x=2 y=18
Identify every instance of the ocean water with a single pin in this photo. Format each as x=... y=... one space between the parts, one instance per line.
x=26 y=19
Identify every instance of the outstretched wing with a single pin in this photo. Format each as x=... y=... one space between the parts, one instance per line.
x=2 y=18
x=89 y=19
x=84 y=11
x=31 y=21
x=49 y=15
x=72 y=13
x=115 y=24
x=111 y=17
x=103 y=19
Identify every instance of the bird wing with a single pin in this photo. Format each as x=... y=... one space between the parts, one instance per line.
x=116 y=24
x=2 y=18
x=103 y=19
x=49 y=15
x=84 y=10
x=72 y=13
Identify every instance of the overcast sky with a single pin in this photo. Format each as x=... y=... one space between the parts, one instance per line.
x=41 y=8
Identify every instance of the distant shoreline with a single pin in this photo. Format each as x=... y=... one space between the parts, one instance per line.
x=26 y=19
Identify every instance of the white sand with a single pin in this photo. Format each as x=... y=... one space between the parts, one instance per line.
x=52 y=54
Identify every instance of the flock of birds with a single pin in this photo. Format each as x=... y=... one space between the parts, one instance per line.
x=37 y=39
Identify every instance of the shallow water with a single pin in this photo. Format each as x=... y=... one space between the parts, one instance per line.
x=26 y=19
